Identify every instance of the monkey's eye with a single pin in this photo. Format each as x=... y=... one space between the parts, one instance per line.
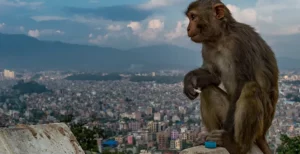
x=193 y=16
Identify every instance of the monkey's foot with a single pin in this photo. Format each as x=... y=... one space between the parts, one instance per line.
x=200 y=139
x=216 y=136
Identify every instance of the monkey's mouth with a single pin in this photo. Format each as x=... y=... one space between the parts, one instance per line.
x=194 y=36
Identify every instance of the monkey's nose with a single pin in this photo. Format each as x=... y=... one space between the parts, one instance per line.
x=188 y=29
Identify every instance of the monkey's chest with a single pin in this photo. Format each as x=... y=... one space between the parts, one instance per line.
x=225 y=69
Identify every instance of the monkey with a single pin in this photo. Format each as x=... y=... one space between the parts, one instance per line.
x=235 y=55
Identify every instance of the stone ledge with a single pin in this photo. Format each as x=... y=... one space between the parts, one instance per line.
x=54 y=138
x=218 y=150
x=203 y=150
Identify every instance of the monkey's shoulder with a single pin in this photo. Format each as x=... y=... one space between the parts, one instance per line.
x=244 y=38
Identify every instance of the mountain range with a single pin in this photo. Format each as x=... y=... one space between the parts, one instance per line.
x=18 y=51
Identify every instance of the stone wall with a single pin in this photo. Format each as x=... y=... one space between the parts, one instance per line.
x=54 y=138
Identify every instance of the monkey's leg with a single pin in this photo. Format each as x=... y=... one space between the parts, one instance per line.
x=214 y=105
x=248 y=122
x=249 y=116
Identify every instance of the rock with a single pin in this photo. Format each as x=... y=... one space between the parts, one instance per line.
x=218 y=150
x=39 y=139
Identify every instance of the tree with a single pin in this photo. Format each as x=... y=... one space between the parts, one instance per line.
x=289 y=145
x=66 y=118
x=191 y=121
x=186 y=144
x=86 y=137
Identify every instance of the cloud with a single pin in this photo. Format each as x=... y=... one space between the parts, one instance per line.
x=247 y=15
x=114 y=27
x=2 y=25
x=19 y=3
x=34 y=33
x=179 y=31
x=51 y=32
x=90 y=35
x=114 y=13
x=38 y=33
x=270 y=17
x=98 y=40
x=135 y=26
x=59 y=32
x=133 y=33
x=155 y=24
x=152 y=4
x=155 y=27
x=47 y=18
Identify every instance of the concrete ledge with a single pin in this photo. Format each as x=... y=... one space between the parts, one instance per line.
x=54 y=138
x=203 y=150
x=218 y=150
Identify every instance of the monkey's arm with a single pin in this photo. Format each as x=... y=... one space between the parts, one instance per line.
x=205 y=77
x=199 y=78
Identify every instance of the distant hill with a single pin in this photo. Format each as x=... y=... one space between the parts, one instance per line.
x=23 y=52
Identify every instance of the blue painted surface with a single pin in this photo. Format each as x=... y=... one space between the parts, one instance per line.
x=210 y=145
x=110 y=143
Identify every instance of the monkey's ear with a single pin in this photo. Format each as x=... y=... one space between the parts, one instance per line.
x=219 y=9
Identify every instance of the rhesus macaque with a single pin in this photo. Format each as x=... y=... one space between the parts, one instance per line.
x=235 y=55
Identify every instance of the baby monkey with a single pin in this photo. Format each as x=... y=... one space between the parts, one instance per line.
x=237 y=56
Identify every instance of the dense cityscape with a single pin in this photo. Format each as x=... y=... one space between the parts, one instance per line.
x=128 y=112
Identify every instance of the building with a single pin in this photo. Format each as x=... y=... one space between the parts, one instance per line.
x=154 y=127
x=130 y=139
x=134 y=126
x=137 y=115
x=178 y=144
x=166 y=118
x=172 y=144
x=191 y=135
x=153 y=73
x=123 y=126
x=149 y=111
x=174 y=134
x=145 y=152
x=157 y=116
x=9 y=74
x=144 y=136
x=162 y=140
x=119 y=139
x=99 y=144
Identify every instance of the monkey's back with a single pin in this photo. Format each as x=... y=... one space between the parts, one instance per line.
x=254 y=56
x=258 y=63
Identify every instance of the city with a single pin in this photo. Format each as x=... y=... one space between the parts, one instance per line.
x=136 y=116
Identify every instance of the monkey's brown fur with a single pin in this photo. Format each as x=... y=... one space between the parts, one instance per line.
x=236 y=55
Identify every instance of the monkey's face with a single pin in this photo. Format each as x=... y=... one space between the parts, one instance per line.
x=204 y=22
x=193 y=29
x=200 y=28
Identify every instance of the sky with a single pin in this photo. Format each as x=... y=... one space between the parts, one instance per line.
x=127 y=24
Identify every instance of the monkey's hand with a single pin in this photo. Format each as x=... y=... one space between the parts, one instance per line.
x=199 y=78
